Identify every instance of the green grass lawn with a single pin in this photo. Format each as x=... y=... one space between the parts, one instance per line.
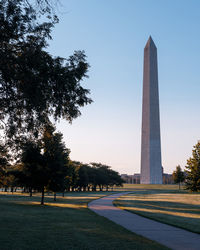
x=164 y=203
x=134 y=187
x=65 y=224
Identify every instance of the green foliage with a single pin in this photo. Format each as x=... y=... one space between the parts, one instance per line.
x=96 y=175
x=33 y=84
x=56 y=159
x=4 y=166
x=83 y=176
x=178 y=175
x=31 y=172
x=193 y=170
x=43 y=163
x=34 y=87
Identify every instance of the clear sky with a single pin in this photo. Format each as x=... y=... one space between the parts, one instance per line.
x=113 y=34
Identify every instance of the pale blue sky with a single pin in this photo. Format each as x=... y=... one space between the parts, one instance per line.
x=113 y=34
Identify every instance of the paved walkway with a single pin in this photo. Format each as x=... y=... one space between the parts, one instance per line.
x=172 y=237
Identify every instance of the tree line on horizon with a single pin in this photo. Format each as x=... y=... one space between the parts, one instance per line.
x=44 y=165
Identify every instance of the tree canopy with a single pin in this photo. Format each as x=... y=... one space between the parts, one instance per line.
x=43 y=163
x=4 y=164
x=193 y=170
x=37 y=88
x=178 y=175
x=34 y=85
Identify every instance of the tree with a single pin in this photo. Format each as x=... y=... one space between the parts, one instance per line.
x=104 y=176
x=71 y=178
x=43 y=163
x=193 y=170
x=83 y=178
x=114 y=179
x=56 y=159
x=178 y=175
x=4 y=164
x=34 y=85
x=31 y=172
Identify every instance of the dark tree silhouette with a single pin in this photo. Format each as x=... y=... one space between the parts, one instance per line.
x=193 y=170
x=43 y=164
x=178 y=175
x=31 y=172
x=4 y=166
x=56 y=159
x=33 y=84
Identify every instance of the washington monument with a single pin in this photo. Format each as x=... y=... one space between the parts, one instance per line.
x=151 y=166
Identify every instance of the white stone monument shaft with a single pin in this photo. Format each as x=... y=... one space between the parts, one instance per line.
x=151 y=166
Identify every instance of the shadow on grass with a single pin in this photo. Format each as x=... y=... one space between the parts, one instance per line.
x=162 y=206
x=25 y=226
x=74 y=200
x=188 y=223
x=174 y=208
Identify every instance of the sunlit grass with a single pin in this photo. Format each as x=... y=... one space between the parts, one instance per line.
x=133 y=187
x=180 y=209
x=64 y=205
x=64 y=224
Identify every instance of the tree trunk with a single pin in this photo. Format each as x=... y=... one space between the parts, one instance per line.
x=30 y=191
x=63 y=194
x=42 y=198
x=179 y=184
x=54 y=196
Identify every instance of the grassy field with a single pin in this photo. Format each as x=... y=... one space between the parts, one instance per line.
x=134 y=187
x=65 y=224
x=164 y=203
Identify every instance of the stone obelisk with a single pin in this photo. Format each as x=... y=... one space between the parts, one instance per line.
x=151 y=166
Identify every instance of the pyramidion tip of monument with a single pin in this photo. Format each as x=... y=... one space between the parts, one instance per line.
x=150 y=43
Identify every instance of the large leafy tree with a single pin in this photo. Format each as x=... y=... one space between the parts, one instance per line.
x=178 y=175
x=193 y=170
x=44 y=163
x=31 y=171
x=33 y=84
x=56 y=159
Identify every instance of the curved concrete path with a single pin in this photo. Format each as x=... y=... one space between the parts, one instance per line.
x=172 y=237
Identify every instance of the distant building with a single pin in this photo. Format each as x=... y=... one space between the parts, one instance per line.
x=131 y=179
x=127 y=178
x=168 y=179
x=135 y=179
